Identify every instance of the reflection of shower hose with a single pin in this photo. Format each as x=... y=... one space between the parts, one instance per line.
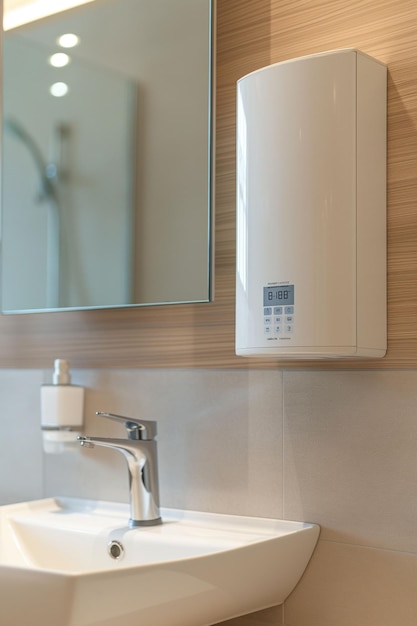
x=48 y=175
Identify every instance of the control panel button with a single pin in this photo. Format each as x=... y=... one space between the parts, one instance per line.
x=289 y=310
x=277 y=310
x=268 y=310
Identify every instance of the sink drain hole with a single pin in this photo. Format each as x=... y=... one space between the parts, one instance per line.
x=115 y=550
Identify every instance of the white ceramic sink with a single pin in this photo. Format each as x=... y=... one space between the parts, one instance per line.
x=194 y=569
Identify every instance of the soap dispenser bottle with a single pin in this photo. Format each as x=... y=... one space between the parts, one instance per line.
x=62 y=410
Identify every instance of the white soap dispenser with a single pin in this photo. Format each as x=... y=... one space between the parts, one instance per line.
x=62 y=411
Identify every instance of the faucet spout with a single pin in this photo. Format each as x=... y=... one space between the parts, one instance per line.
x=141 y=458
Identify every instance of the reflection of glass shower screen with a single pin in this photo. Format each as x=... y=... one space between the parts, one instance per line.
x=88 y=135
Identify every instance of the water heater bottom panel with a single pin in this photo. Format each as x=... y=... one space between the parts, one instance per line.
x=300 y=352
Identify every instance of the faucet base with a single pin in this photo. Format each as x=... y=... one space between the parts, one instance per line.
x=135 y=523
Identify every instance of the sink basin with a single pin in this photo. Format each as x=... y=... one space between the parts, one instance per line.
x=73 y=562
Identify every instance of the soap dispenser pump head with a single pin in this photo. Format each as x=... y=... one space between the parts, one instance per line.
x=61 y=375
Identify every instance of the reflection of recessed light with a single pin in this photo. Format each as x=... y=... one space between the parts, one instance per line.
x=58 y=89
x=59 y=59
x=69 y=40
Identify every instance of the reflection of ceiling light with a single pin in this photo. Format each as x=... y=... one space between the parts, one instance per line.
x=58 y=90
x=69 y=40
x=18 y=13
x=59 y=59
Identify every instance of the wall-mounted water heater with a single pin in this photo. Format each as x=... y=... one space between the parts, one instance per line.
x=311 y=208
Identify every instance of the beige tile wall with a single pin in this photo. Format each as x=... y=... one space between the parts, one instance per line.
x=218 y=448
x=267 y=617
x=350 y=464
x=337 y=448
x=20 y=438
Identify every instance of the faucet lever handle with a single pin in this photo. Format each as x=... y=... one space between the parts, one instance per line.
x=144 y=430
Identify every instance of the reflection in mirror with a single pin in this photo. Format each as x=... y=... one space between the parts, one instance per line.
x=107 y=157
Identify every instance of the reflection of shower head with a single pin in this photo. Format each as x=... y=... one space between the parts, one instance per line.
x=43 y=168
x=16 y=129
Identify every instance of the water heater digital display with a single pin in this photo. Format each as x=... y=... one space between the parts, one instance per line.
x=311 y=208
x=279 y=295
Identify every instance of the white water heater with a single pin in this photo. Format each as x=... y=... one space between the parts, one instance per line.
x=311 y=208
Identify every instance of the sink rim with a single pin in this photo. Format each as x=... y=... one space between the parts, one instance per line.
x=236 y=531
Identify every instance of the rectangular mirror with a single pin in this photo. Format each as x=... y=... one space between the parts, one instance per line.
x=107 y=157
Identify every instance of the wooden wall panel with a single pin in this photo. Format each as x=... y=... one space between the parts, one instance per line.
x=251 y=34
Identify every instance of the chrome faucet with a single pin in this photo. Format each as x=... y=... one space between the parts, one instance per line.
x=139 y=450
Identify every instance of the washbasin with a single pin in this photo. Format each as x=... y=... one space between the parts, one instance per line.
x=75 y=562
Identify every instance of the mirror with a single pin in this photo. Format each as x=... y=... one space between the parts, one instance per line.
x=106 y=192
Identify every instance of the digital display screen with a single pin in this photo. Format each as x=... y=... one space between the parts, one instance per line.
x=279 y=294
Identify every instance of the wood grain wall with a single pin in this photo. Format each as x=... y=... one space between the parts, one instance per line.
x=251 y=34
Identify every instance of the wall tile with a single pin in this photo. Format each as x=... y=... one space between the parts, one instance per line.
x=350 y=441
x=350 y=585
x=268 y=617
x=20 y=438
x=219 y=441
